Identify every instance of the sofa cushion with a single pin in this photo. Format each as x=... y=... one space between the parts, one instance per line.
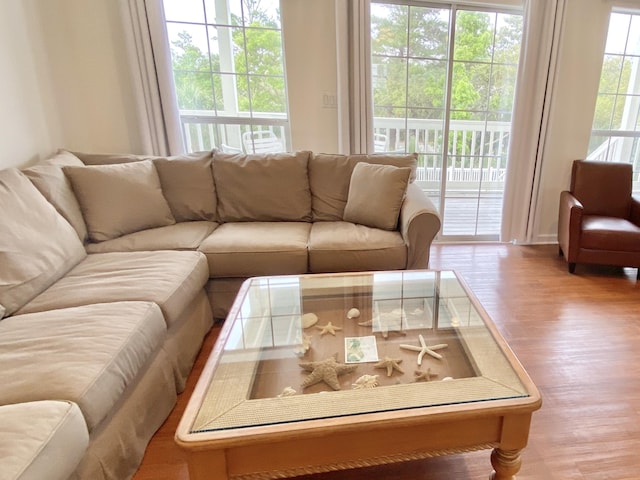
x=269 y=187
x=375 y=196
x=51 y=181
x=257 y=248
x=170 y=279
x=119 y=199
x=346 y=247
x=179 y=236
x=44 y=439
x=37 y=245
x=609 y=233
x=187 y=184
x=330 y=175
x=87 y=355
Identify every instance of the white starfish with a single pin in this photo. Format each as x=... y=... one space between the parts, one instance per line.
x=425 y=349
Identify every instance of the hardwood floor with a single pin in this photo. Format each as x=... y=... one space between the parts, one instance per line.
x=578 y=336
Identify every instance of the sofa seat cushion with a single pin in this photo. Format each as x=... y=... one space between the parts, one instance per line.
x=609 y=233
x=44 y=439
x=87 y=355
x=179 y=236
x=168 y=278
x=246 y=249
x=37 y=245
x=347 y=247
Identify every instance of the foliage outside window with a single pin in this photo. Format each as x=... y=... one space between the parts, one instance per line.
x=615 y=136
x=428 y=93
x=228 y=69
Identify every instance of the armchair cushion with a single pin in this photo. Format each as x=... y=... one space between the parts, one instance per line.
x=609 y=233
x=603 y=188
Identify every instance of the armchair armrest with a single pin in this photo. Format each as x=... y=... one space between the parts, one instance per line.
x=634 y=217
x=569 y=225
x=419 y=224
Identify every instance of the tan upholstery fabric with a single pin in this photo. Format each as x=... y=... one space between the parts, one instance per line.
x=37 y=245
x=262 y=188
x=2 y=310
x=119 y=199
x=117 y=446
x=375 y=195
x=117 y=158
x=180 y=236
x=346 y=247
x=187 y=184
x=51 y=181
x=169 y=279
x=63 y=158
x=222 y=293
x=88 y=355
x=330 y=175
x=257 y=248
x=39 y=440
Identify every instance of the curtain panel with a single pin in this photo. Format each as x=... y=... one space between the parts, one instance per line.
x=534 y=89
x=150 y=57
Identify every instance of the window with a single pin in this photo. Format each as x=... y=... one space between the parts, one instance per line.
x=615 y=136
x=443 y=85
x=228 y=70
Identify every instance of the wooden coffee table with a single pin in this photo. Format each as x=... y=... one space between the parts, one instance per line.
x=252 y=417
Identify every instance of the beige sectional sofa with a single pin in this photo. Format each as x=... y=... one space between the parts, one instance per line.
x=112 y=268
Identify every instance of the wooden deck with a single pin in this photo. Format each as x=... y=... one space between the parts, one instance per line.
x=466 y=216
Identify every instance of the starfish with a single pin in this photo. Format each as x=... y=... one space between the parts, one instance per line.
x=423 y=376
x=424 y=348
x=326 y=371
x=328 y=328
x=390 y=364
x=385 y=323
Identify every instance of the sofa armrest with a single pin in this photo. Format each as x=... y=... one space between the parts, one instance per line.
x=569 y=225
x=634 y=217
x=419 y=224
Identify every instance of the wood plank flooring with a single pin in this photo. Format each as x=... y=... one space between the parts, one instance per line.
x=578 y=336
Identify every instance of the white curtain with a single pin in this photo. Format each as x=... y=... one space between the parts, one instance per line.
x=151 y=63
x=355 y=101
x=536 y=78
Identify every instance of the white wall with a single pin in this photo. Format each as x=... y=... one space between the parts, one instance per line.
x=309 y=31
x=66 y=82
x=28 y=129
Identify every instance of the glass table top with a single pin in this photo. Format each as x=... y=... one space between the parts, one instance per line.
x=307 y=347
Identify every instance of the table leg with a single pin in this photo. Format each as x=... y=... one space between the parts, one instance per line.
x=506 y=463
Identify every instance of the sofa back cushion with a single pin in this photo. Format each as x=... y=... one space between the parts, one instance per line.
x=119 y=199
x=265 y=187
x=330 y=176
x=37 y=245
x=51 y=181
x=187 y=184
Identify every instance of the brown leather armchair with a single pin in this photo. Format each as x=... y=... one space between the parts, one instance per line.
x=599 y=219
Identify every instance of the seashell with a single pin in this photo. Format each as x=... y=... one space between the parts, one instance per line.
x=365 y=381
x=353 y=313
x=309 y=320
x=287 y=392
